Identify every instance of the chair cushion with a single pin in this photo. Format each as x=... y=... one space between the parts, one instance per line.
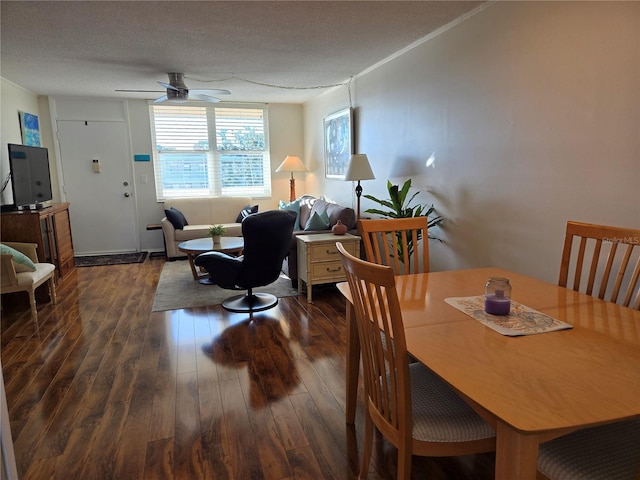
x=176 y=217
x=606 y=452
x=42 y=270
x=439 y=413
x=21 y=262
x=245 y=212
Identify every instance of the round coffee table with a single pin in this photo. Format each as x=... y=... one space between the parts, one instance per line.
x=195 y=247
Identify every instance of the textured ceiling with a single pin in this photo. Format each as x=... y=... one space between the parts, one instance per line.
x=92 y=48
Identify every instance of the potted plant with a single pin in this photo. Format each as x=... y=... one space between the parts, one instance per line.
x=399 y=207
x=215 y=232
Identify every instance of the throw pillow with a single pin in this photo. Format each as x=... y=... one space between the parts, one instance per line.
x=318 y=221
x=176 y=217
x=21 y=262
x=245 y=212
x=294 y=207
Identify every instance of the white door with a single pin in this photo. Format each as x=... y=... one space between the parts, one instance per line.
x=98 y=183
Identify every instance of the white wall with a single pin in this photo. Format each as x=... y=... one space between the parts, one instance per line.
x=532 y=111
x=14 y=99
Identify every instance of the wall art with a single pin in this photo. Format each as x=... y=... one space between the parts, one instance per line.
x=30 y=129
x=338 y=143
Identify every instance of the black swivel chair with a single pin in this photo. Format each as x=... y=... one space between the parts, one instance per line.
x=267 y=236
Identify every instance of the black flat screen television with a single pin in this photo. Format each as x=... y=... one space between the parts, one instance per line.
x=30 y=175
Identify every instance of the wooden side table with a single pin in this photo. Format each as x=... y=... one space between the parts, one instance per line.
x=157 y=226
x=319 y=260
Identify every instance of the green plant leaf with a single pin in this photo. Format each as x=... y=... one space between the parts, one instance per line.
x=385 y=203
x=405 y=190
x=381 y=212
x=400 y=208
x=412 y=197
x=395 y=197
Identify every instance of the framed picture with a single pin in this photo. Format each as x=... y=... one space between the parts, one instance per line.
x=338 y=143
x=30 y=129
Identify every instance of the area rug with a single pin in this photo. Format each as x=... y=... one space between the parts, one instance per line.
x=177 y=289
x=116 y=259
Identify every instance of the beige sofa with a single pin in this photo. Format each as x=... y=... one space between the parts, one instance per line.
x=201 y=213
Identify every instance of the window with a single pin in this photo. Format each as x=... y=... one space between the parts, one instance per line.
x=210 y=151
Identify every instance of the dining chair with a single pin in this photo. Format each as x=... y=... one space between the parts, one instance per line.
x=605 y=249
x=605 y=452
x=411 y=406
x=394 y=242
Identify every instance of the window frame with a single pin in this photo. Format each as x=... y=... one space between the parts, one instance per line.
x=214 y=157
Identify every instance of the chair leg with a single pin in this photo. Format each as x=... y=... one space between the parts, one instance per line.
x=32 y=303
x=404 y=461
x=52 y=290
x=367 y=444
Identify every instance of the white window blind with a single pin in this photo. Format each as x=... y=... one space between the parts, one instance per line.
x=210 y=151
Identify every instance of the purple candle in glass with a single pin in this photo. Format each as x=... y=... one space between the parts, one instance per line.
x=497 y=300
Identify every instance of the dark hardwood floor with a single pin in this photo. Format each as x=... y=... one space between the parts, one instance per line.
x=103 y=388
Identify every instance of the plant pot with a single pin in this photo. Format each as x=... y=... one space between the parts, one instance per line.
x=216 y=239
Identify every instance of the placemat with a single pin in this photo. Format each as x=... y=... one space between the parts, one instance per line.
x=521 y=320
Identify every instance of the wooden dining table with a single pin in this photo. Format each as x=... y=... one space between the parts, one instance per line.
x=530 y=388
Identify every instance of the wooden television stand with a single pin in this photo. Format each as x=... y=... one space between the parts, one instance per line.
x=49 y=228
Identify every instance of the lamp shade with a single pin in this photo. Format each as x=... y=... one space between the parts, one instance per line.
x=292 y=164
x=359 y=168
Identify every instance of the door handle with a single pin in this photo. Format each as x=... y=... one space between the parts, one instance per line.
x=126 y=194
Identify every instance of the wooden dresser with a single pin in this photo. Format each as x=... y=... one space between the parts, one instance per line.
x=50 y=228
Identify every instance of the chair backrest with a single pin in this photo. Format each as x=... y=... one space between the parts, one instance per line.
x=387 y=241
x=383 y=345
x=8 y=273
x=602 y=250
x=267 y=237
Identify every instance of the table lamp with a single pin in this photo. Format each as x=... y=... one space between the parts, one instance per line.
x=292 y=164
x=359 y=169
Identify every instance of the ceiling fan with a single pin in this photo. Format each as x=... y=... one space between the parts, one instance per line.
x=178 y=92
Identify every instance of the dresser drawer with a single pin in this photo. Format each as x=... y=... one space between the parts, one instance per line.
x=327 y=271
x=327 y=251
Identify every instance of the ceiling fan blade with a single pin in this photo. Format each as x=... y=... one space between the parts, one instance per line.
x=202 y=98
x=213 y=91
x=140 y=91
x=167 y=86
x=161 y=99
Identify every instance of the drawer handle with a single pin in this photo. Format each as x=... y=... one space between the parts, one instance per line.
x=331 y=252
x=337 y=269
